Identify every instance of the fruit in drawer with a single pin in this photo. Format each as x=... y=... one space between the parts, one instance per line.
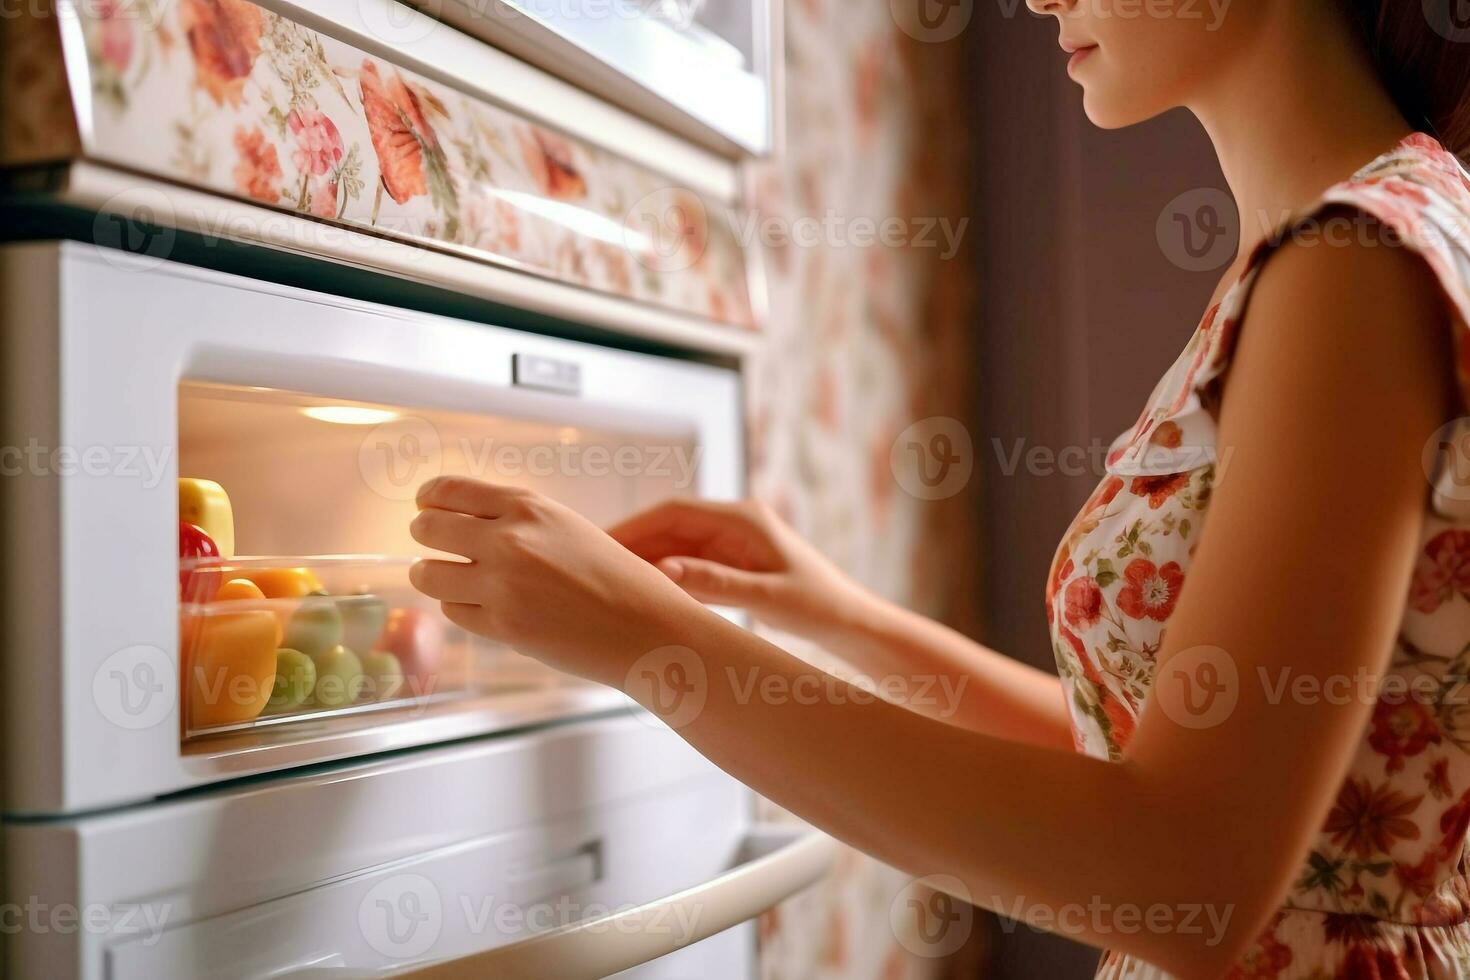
x=315 y=627
x=284 y=583
x=339 y=678
x=205 y=503
x=238 y=588
x=198 y=582
x=384 y=676
x=416 y=638
x=229 y=666
x=363 y=619
x=295 y=680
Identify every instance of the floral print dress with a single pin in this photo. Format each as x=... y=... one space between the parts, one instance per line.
x=1383 y=892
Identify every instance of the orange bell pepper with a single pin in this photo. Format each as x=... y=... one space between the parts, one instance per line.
x=229 y=665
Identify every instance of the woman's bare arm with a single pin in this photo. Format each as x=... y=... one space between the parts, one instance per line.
x=1303 y=566
x=742 y=554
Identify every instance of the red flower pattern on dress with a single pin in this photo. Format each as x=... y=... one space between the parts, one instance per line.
x=1106 y=493
x=1366 y=961
x=1151 y=591
x=1061 y=570
x=1438 y=778
x=1402 y=728
x=1420 y=877
x=258 y=171
x=1443 y=570
x=224 y=37
x=1083 y=603
x=1368 y=820
x=1265 y=959
x=1158 y=489
x=1454 y=824
x=1168 y=435
x=1119 y=718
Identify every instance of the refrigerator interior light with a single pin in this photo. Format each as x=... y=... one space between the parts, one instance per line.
x=349 y=414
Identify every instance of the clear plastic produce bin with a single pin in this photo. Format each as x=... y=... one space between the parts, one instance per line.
x=332 y=635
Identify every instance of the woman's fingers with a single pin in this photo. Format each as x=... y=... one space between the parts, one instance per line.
x=683 y=527
x=474 y=497
x=710 y=581
x=678 y=519
x=464 y=615
x=447 y=581
x=447 y=530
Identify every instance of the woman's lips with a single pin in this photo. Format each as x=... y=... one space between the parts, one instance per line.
x=1078 y=56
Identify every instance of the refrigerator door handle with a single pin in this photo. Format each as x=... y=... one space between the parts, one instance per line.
x=776 y=863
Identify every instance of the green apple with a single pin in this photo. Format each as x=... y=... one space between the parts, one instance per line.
x=315 y=627
x=384 y=675
x=363 y=618
x=339 y=678
x=295 y=678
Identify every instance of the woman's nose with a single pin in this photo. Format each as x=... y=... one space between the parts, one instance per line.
x=1057 y=8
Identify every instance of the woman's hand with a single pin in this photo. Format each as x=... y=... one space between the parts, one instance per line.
x=544 y=580
x=743 y=555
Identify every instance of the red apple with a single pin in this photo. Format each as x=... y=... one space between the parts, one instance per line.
x=198 y=581
x=416 y=638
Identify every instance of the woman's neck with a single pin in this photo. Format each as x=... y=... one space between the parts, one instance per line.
x=1286 y=127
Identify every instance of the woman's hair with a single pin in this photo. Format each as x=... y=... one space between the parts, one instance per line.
x=1422 y=49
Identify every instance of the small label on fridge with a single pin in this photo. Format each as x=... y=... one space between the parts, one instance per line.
x=546 y=373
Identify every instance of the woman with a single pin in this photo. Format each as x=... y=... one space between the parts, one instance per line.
x=1299 y=777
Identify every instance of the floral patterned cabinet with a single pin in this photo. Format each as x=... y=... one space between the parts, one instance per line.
x=230 y=97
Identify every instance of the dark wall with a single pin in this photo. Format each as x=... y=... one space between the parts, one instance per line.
x=1081 y=308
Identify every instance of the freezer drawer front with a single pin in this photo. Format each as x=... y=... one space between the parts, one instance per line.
x=600 y=813
x=469 y=897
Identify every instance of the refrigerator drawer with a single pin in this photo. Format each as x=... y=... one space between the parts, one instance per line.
x=478 y=895
x=265 y=875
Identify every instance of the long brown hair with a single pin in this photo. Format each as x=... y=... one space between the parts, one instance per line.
x=1422 y=49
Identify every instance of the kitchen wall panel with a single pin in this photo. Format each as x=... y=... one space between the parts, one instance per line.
x=865 y=340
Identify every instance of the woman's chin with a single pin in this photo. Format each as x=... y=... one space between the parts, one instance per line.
x=1110 y=113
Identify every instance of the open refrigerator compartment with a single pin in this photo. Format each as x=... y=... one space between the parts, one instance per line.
x=269 y=641
x=331 y=629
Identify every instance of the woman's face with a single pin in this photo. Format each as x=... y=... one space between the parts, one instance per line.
x=1138 y=58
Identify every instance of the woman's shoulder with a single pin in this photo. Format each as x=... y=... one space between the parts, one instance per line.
x=1415 y=195
x=1419 y=169
x=1394 y=239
